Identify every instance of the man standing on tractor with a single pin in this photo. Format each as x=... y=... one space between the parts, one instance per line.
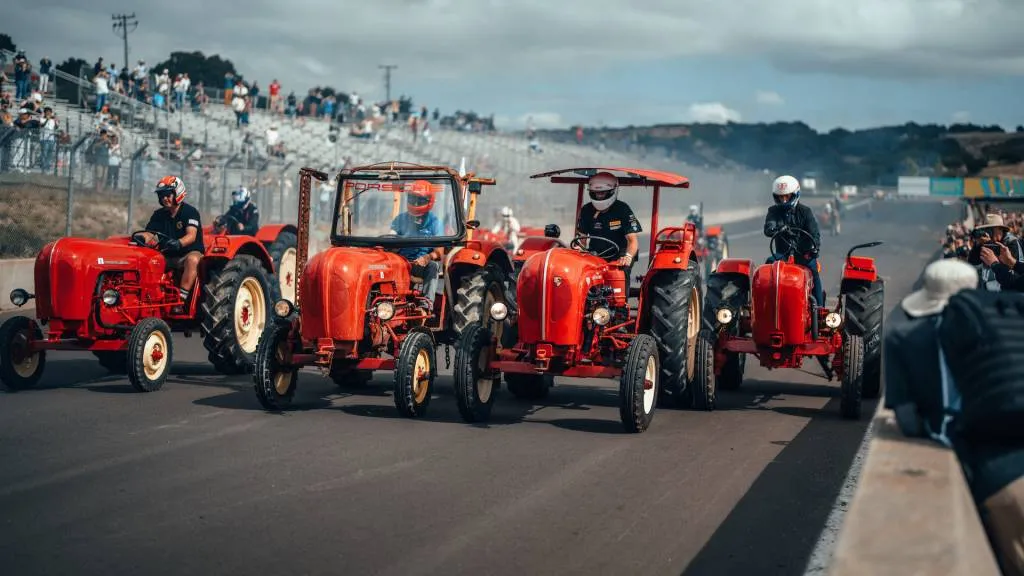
x=243 y=217
x=418 y=221
x=509 y=225
x=611 y=219
x=181 y=231
x=789 y=214
x=697 y=219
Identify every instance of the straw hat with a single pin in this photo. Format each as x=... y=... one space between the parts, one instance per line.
x=942 y=279
x=992 y=221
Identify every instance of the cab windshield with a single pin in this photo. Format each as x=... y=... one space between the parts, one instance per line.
x=410 y=209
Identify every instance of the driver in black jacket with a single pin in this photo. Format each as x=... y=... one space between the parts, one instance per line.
x=242 y=217
x=789 y=214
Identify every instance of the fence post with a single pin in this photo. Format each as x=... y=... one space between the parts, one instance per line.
x=71 y=182
x=131 y=184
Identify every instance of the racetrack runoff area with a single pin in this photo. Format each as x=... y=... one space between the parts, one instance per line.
x=197 y=478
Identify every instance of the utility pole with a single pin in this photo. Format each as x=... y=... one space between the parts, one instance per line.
x=121 y=28
x=387 y=68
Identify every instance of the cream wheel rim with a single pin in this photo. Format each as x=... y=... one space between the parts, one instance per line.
x=484 y=384
x=421 y=376
x=286 y=274
x=250 y=314
x=24 y=365
x=282 y=378
x=496 y=327
x=692 y=329
x=154 y=355
x=650 y=384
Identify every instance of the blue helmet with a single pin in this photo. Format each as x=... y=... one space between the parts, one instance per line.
x=241 y=196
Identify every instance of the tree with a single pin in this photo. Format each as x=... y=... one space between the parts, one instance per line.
x=7 y=43
x=66 y=90
x=209 y=70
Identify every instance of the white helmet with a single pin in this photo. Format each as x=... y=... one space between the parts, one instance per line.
x=694 y=209
x=603 y=188
x=786 y=186
x=506 y=212
x=240 y=196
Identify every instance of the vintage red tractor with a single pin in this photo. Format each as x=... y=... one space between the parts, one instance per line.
x=362 y=305
x=116 y=299
x=577 y=316
x=280 y=241
x=770 y=313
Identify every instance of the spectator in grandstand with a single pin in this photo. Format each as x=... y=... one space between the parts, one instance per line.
x=290 y=107
x=102 y=88
x=22 y=75
x=98 y=66
x=113 y=160
x=45 y=69
x=48 y=128
x=274 y=96
x=273 y=138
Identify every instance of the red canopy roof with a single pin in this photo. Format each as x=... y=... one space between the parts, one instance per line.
x=651 y=176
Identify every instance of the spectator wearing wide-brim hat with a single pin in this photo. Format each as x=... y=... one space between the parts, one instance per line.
x=990 y=237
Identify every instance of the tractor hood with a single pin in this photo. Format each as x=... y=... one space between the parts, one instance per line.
x=552 y=292
x=67 y=273
x=780 y=297
x=336 y=285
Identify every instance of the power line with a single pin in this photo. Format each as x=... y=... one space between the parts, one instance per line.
x=121 y=28
x=387 y=68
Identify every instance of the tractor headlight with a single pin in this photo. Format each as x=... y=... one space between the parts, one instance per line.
x=19 y=296
x=499 y=311
x=724 y=315
x=283 y=308
x=601 y=316
x=111 y=297
x=385 y=311
x=833 y=320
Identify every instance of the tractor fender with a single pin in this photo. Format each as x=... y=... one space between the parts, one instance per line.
x=739 y=266
x=269 y=233
x=465 y=259
x=532 y=244
x=228 y=247
x=673 y=259
x=860 y=269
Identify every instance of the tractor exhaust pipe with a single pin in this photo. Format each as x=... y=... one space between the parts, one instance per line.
x=306 y=176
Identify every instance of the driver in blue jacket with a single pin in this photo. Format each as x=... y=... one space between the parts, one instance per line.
x=789 y=214
x=419 y=221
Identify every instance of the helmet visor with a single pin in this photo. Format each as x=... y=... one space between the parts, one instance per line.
x=601 y=194
x=783 y=198
x=417 y=200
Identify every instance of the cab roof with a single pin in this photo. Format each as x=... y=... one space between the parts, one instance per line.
x=631 y=177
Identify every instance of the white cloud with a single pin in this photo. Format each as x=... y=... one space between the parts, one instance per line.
x=961 y=117
x=769 y=98
x=713 y=113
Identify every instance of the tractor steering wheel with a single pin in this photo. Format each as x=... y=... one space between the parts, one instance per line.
x=226 y=224
x=578 y=244
x=139 y=240
x=792 y=245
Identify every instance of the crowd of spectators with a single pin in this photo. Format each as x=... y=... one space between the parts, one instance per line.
x=993 y=246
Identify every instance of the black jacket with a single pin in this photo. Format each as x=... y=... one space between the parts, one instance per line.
x=249 y=217
x=799 y=217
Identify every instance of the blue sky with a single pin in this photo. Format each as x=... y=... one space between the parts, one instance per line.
x=856 y=65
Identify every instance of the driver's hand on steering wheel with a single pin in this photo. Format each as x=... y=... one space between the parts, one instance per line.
x=625 y=261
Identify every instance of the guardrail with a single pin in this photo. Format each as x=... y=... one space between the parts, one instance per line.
x=912 y=513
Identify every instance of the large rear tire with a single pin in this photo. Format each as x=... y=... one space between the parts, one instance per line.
x=20 y=370
x=638 y=385
x=865 y=317
x=150 y=354
x=283 y=251
x=237 y=301
x=273 y=381
x=675 y=323
x=853 y=372
x=477 y=292
x=729 y=290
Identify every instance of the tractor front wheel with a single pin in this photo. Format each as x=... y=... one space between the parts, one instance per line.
x=273 y=380
x=20 y=369
x=475 y=383
x=702 y=389
x=853 y=373
x=150 y=353
x=237 y=301
x=415 y=370
x=638 y=385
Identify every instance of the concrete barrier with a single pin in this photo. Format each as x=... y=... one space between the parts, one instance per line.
x=15 y=273
x=912 y=513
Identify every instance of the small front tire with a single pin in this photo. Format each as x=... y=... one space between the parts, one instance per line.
x=475 y=383
x=18 y=369
x=850 y=393
x=702 y=388
x=638 y=385
x=273 y=380
x=415 y=370
x=150 y=353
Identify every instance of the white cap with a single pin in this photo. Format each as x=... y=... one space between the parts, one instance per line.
x=942 y=279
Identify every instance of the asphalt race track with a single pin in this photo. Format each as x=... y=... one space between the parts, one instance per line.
x=197 y=479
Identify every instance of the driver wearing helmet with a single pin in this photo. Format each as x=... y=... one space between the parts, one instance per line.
x=605 y=216
x=419 y=221
x=788 y=213
x=510 y=226
x=181 y=229
x=243 y=217
x=695 y=217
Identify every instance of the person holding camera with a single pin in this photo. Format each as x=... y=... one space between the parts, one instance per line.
x=994 y=249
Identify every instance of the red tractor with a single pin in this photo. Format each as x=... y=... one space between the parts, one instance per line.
x=577 y=316
x=116 y=299
x=280 y=241
x=770 y=313
x=363 y=304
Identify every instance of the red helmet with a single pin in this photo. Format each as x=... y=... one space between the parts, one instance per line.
x=420 y=199
x=171 y=185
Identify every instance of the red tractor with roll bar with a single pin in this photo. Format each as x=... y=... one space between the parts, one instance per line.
x=769 y=312
x=577 y=316
x=117 y=299
x=362 y=305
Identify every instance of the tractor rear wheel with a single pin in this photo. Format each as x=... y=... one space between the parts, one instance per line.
x=237 y=301
x=865 y=317
x=274 y=382
x=675 y=323
x=853 y=373
x=283 y=251
x=477 y=292
x=20 y=370
x=150 y=353
x=727 y=290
